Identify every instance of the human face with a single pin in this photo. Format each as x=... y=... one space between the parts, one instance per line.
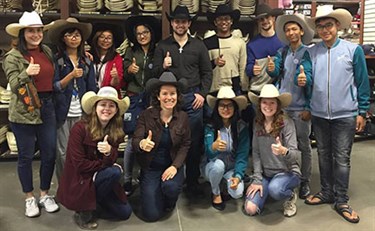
x=143 y=35
x=268 y=106
x=105 y=40
x=327 y=30
x=180 y=26
x=167 y=97
x=293 y=32
x=33 y=37
x=106 y=110
x=223 y=24
x=266 y=23
x=226 y=108
x=73 y=39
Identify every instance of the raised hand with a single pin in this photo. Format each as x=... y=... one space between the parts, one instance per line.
x=257 y=68
x=104 y=147
x=219 y=144
x=271 y=64
x=33 y=68
x=301 y=78
x=133 y=68
x=278 y=148
x=114 y=73
x=167 y=61
x=219 y=61
x=77 y=72
x=147 y=144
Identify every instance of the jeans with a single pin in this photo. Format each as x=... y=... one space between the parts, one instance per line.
x=129 y=157
x=156 y=195
x=196 y=126
x=334 y=143
x=279 y=187
x=214 y=172
x=303 y=130
x=105 y=196
x=45 y=135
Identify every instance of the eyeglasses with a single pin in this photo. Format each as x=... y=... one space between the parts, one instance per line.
x=143 y=33
x=70 y=36
x=328 y=26
x=109 y=38
x=228 y=106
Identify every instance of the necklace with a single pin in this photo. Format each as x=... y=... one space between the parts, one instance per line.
x=167 y=122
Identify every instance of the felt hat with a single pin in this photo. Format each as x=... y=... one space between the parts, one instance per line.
x=167 y=78
x=224 y=9
x=181 y=12
x=118 y=33
x=270 y=91
x=60 y=25
x=263 y=10
x=326 y=11
x=300 y=20
x=226 y=92
x=28 y=19
x=132 y=22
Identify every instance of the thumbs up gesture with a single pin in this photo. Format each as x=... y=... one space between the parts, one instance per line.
x=301 y=78
x=219 y=144
x=113 y=72
x=167 y=61
x=278 y=148
x=256 y=69
x=33 y=68
x=77 y=72
x=147 y=144
x=133 y=68
x=104 y=147
x=219 y=61
x=271 y=64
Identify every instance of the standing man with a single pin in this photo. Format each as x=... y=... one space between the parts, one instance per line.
x=294 y=31
x=339 y=102
x=187 y=57
x=227 y=52
x=263 y=45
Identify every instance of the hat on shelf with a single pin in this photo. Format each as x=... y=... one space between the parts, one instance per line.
x=54 y=33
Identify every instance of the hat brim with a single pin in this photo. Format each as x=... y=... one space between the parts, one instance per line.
x=90 y=98
x=284 y=98
x=343 y=16
x=181 y=16
x=273 y=12
x=282 y=20
x=240 y=100
x=13 y=29
x=135 y=21
x=118 y=33
x=234 y=14
x=61 y=25
x=154 y=83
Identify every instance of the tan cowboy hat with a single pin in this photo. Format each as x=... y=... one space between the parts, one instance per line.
x=28 y=19
x=54 y=33
x=226 y=92
x=326 y=11
x=89 y=99
x=300 y=19
x=270 y=91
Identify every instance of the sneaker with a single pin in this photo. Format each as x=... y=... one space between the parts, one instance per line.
x=48 y=203
x=290 y=208
x=32 y=209
x=128 y=188
x=80 y=220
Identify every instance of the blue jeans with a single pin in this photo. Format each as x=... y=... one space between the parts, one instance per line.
x=45 y=135
x=156 y=195
x=195 y=151
x=334 y=142
x=279 y=187
x=105 y=196
x=129 y=157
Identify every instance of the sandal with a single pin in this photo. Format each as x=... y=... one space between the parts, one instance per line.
x=345 y=208
x=322 y=199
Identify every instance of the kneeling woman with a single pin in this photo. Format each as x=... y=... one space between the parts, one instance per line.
x=91 y=176
x=161 y=141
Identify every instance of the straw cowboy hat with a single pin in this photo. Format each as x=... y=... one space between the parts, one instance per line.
x=54 y=33
x=90 y=98
x=28 y=19
x=181 y=12
x=117 y=31
x=222 y=10
x=300 y=19
x=270 y=91
x=132 y=22
x=226 y=92
x=263 y=10
x=167 y=78
x=326 y=11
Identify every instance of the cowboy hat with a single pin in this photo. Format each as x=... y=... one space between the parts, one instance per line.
x=270 y=91
x=132 y=22
x=181 y=12
x=224 y=9
x=61 y=25
x=118 y=33
x=28 y=19
x=90 y=98
x=263 y=10
x=226 y=92
x=300 y=19
x=167 y=78
x=326 y=11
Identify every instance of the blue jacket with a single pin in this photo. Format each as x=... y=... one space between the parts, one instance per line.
x=340 y=84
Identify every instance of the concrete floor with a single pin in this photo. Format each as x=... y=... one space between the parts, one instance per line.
x=199 y=215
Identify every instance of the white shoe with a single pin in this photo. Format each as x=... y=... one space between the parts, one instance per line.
x=32 y=209
x=290 y=208
x=48 y=203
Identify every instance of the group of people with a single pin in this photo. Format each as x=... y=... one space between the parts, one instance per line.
x=185 y=97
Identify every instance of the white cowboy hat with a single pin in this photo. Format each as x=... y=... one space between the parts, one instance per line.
x=89 y=99
x=270 y=91
x=226 y=92
x=28 y=19
x=60 y=25
x=300 y=19
x=326 y=11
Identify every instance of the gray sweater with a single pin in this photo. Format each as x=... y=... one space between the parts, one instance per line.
x=268 y=164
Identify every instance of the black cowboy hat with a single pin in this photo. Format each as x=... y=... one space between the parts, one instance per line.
x=132 y=22
x=264 y=10
x=117 y=31
x=167 y=78
x=224 y=9
x=181 y=12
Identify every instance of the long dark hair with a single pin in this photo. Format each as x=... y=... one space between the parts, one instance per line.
x=137 y=46
x=111 y=53
x=61 y=45
x=22 y=44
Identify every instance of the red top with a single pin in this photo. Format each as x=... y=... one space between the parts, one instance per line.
x=43 y=81
x=107 y=74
